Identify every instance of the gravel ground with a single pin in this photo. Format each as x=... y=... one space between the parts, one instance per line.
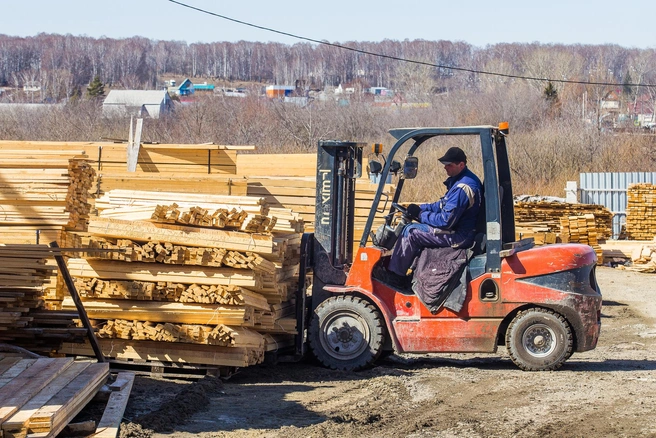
x=607 y=392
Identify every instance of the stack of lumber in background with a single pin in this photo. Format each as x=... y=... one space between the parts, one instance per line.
x=42 y=190
x=289 y=181
x=641 y=212
x=542 y=219
x=39 y=397
x=189 y=282
x=284 y=180
x=25 y=271
x=581 y=229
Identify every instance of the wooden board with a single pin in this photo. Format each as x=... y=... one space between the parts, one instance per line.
x=181 y=235
x=176 y=353
x=110 y=422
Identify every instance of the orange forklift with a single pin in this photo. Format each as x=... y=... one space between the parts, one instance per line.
x=542 y=303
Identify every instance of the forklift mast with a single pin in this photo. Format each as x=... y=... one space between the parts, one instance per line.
x=339 y=164
x=329 y=250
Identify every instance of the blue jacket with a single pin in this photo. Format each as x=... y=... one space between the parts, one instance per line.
x=458 y=209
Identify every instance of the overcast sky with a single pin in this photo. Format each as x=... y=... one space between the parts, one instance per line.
x=478 y=22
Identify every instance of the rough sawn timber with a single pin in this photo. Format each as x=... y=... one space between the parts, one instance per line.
x=181 y=235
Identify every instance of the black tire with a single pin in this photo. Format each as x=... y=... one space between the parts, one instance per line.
x=539 y=339
x=346 y=333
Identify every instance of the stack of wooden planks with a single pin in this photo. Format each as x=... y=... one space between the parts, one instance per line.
x=191 y=249
x=39 y=397
x=541 y=220
x=243 y=213
x=581 y=229
x=641 y=212
x=299 y=195
x=110 y=158
x=192 y=282
x=26 y=272
x=42 y=194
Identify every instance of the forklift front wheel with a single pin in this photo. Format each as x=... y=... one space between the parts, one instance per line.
x=539 y=339
x=346 y=333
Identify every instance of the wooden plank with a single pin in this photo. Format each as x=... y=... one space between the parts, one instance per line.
x=7 y=362
x=22 y=388
x=179 y=313
x=110 y=422
x=20 y=419
x=275 y=164
x=68 y=402
x=181 y=235
x=163 y=272
x=176 y=353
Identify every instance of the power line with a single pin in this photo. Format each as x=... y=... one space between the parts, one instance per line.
x=396 y=58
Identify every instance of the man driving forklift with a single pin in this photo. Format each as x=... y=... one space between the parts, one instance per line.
x=449 y=222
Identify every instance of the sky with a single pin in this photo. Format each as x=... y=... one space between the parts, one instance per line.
x=477 y=22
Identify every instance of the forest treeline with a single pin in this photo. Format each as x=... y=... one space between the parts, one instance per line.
x=558 y=129
x=62 y=63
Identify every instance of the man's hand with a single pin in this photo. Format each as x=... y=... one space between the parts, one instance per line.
x=414 y=211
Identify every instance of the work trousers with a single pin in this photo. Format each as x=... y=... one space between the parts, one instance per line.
x=415 y=237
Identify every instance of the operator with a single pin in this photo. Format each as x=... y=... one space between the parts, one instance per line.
x=451 y=221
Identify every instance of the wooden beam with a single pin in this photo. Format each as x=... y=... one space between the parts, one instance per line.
x=181 y=235
x=110 y=422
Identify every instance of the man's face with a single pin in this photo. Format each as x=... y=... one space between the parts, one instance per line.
x=453 y=169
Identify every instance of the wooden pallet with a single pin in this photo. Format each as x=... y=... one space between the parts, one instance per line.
x=170 y=370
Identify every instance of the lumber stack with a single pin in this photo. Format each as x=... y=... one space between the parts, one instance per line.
x=110 y=158
x=42 y=194
x=221 y=335
x=299 y=195
x=26 y=271
x=172 y=279
x=39 y=397
x=542 y=219
x=244 y=213
x=581 y=229
x=640 y=212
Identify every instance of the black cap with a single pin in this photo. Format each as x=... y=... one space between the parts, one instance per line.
x=454 y=155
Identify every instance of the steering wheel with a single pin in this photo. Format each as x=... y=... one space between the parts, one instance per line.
x=401 y=209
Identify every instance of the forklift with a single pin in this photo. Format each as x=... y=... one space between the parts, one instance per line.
x=542 y=302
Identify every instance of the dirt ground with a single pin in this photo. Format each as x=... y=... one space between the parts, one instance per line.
x=607 y=392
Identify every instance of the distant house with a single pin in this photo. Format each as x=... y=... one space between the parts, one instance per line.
x=186 y=88
x=378 y=91
x=611 y=102
x=141 y=103
x=642 y=110
x=279 y=91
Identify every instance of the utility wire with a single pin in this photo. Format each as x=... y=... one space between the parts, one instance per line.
x=396 y=58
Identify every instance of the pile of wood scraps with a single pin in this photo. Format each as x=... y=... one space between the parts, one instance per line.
x=638 y=256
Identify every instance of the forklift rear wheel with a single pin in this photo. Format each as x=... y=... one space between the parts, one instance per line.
x=346 y=333
x=539 y=339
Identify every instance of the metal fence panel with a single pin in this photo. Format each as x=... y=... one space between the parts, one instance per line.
x=609 y=189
